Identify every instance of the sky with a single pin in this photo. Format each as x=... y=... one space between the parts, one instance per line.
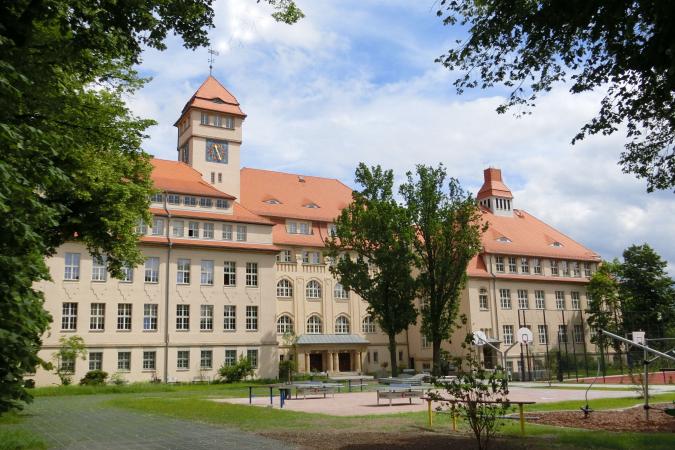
x=356 y=81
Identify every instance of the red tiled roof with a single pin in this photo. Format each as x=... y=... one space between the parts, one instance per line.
x=213 y=244
x=178 y=177
x=212 y=96
x=241 y=215
x=293 y=192
x=493 y=185
x=316 y=239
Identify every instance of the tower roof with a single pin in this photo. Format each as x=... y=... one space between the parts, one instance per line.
x=493 y=186
x=212 y=96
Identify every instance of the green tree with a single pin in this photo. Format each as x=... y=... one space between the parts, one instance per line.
x=377 y=231
x=624 y=49
x=71 y=348
x=449 y=226
x=72 y=167
x=648 y=293
x=605 y=307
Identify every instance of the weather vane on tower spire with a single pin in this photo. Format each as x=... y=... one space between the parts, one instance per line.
x=212 y=53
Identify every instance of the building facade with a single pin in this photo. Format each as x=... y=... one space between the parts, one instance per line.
x=235 y=267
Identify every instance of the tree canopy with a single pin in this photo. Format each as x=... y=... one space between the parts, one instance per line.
x=449 y=226
x=372 y=253
x=624 y=49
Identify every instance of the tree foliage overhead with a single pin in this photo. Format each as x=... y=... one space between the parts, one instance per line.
x=72 y=167
x=624 y=48
x=377 y=231
x=449 y=226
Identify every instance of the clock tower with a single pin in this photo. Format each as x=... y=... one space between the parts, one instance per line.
x=209 y=135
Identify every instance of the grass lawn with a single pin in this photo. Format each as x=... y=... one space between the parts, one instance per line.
x=13 y=437
x=221 y=390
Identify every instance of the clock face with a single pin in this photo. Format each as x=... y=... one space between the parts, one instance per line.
x=216 y=151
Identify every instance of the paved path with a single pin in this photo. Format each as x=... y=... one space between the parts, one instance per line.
x=81 y=422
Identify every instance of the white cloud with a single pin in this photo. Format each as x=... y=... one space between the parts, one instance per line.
x=341 y=87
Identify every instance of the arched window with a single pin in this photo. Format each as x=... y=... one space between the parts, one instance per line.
x=368 y=325
x=314 y=325
x=313 y=289
x=340 y=292
x=284 y=288
x=342 y=325
x=284 y=324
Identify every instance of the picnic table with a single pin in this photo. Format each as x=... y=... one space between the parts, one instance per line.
x=404 y=391
x=353 y=380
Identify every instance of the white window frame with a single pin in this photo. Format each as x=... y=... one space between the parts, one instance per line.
x=183 y=359
x=124 y=316
x=242 y=232
x=251 y=318
x=523 y=299
x=206 y=272
x=284 y=288
x=205 y=317
x=284 y=324
x=206 y=359
x=368 y=325
x=230 y=318
x=513 y=264
x=483 y=301
x=505 y=298
x=560 y=300
x=524 y=265
x=313 y=290
x=69 y=316
x=95 y=360
x=227 y=232
x=251 y=274
x=149 y=360
x=230 y=357
x=72 y=267
x=157 y=226
x=314 y=325
x=183 y=271
x=578 y=332
x=193 y=229
x=539 y=299
x=208 y=230
x=99 y=269
x=124 y=361
x=97 y=317
x=229 y=273
x=152 y=269
x=575 y=302
x=507 y=334
x=339 y=292
x=252 y=356
x=182 y=317
x=150 y=316
x=542 y=334
x=342 y=325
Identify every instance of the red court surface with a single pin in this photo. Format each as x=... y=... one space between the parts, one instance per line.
x=654 y=378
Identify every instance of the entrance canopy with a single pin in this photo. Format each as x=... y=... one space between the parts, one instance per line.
x=331 y=339
x=331 y=352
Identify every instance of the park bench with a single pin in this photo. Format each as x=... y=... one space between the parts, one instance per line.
x=399 y=391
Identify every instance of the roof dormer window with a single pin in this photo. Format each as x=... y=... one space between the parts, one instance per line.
x=217 y=100
x=556 y=244
x=503 y=239
x=272 y=201
x=311 y=205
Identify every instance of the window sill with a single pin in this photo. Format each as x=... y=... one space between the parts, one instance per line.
x=183 y=369
x=150 y=331
x=69 y=280
x=151 y=282
x=149 y=370
x=206 y=285
x=230 y=331
x=123 y=331
x=97 y=331
x=69 y=331
x=206 y=331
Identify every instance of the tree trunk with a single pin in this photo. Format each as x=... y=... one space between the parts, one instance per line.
x=436 y=368
x=392 y=355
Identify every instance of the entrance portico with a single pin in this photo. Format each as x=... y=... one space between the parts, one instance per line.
x=331 y=353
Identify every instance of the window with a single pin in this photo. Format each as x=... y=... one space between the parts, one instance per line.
x=539 y=300
x=173 y=199
x=311 y=257
x=205 y=202
x=218 y=120
x=426 y=343
x=152 y=270
x=251 y=318
x=554 y=268
x=206 y=318
x=332 y=230
x=157 y=226
x=562 y=334
x=559 y=300
x=576 y=300
x=97 y=317
x=182 y=317
x=124 y=316
x=183 y=359
x=313 y=289
x=241 y=233
x=483 y=299
x=205 y=119
x=252 y=356
x=284 y=288
x=141 y=228
x=127 y=274
x=218 y=201
x=284 y=256
x=221 y=203
x=578 y=334
x=375 y=358
x=206 y=359
x=183 y=271
x=184 y=153
x=149 y=360
x=292 y=227
x=69 y=316
x=72 y=269
x=227 y=232
x=368 y=325
x=189 y=200
x=95 y=360
x=67 y=364
x=499 y=264
x=523 y=300
x=229 y=273
x=542 y=331
x=565 y=268
x=208 y=231
x=284 y=324
x=213 y=178
x=230 y=357
x=505 y=298
x=576 y=269
x=207 y=272
x=536 y=266
x=124 y=361
x=251 y=274
x=524 y=265
x=99 y=271
x=340 y=292
x=150 y=317
x=193 y=229
x=314 y=325
x=513 y=268
x=229 y=122
x=304 y=228
x=230 y=318
x=157 y=198
x=587 y=270
x=342 y=325
x=178 y=228
x=507 y=331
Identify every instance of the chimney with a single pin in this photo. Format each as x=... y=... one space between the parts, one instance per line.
x=301 y=179
x=492 y=174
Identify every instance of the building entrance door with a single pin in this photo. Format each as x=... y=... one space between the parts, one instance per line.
x=344 y=362
x=489 y=357
x=316 y=362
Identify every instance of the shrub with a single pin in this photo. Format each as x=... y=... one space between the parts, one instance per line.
x=286 y=369
x=236 y=372
x=118 y=379
x=94 y=378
